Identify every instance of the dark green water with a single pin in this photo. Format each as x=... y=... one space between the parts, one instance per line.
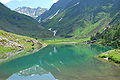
x=61 y=62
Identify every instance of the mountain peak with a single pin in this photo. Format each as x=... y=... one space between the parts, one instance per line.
x=33 y=12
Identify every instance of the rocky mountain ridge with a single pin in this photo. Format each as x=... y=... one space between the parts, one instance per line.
x=33 y=12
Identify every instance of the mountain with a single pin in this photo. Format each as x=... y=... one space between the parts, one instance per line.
x=17 y=23
x=56 y=7
x=110 y=37
x=79 y=18
x=111 y=34
x=33 y=12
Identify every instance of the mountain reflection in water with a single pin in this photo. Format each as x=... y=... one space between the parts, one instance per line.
x=61 y=62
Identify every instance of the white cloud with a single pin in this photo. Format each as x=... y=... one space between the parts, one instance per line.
x=5 y=1
x=55 y=1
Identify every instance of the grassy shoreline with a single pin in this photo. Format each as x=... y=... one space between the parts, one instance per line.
x=13 y=44
x=41 y=43
x=112 y=56
x=21 y=53
x=63 y=41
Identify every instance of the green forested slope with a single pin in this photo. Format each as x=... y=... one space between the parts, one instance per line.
x=111 y=34
x=20 y=24
x=81 y=18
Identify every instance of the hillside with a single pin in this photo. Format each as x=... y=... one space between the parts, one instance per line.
x=79 y=18
x=59 y=6
x=16 y=41
x=111 y=34
x=33 y=12
x=17 y=23
x=111 y=56
x=110 y=37
x=11 y=42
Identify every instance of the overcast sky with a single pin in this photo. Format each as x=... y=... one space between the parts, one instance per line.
x=30 y=3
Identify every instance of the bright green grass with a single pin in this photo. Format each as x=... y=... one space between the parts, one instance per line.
x=18 y=39
x=63 y=40
x=6 y=49
x=22 y=40
x=113 y=55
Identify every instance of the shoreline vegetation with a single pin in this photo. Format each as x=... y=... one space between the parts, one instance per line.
x=20 y=53
x=63 y=41
x=12 y=45
x=112 y=56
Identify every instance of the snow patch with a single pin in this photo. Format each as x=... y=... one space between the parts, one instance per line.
x=54 y=32
x=54 y=14
x=60 y=19
x=77 y=3
x=39 y=20
x=50 y=29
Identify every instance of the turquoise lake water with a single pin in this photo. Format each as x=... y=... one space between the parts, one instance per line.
x=61 y=62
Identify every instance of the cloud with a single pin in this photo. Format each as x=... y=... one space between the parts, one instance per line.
x=55 y=1
x=5 y=1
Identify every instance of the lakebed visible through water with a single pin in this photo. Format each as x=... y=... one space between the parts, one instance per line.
x=61 y=62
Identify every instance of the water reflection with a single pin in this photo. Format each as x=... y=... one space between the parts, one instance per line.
x=48 y=76
x=32 y=73
x=64 y=62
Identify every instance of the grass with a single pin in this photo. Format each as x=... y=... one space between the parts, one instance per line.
x=6 y=49
x=22 y=40
x=63 y=40
x=10 y=52
x=5 y=58
x=112 y=55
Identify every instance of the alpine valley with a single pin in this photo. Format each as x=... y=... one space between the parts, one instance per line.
x=73 y=40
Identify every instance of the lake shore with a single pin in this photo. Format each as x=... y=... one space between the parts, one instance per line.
x=20 y=53
x=112 y=56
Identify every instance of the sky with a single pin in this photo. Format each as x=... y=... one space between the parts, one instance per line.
x=28 y=3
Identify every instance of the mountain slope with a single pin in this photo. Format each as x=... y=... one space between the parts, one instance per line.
x=56 y=7
x=12 y=42
x=33 y=12
x=79 y=18
x=111 y=37
x=111 y=34
x=14 y=22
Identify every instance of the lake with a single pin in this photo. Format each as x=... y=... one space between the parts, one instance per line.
x=61 y=62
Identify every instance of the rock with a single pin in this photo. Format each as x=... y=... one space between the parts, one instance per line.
x=106 y=59
x=7 y=43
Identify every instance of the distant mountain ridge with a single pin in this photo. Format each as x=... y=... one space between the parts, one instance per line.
x=33 y=12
